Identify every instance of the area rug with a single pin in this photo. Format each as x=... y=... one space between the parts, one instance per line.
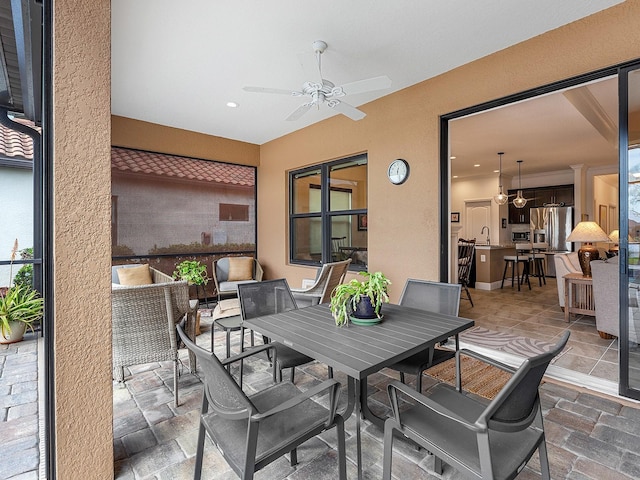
x=477 y=377
x=507 y=342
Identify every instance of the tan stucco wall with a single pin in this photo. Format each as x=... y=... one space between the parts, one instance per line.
x=81 y=239
x=403 y=220
x=126 y=132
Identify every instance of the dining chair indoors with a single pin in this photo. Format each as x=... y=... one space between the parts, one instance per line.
x=432 y=297
x=329 y=277
x=266 y=298
x=252 y=431
x=466 y=252
x=484 y=440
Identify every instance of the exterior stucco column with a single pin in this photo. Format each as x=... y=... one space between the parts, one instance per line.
x=82 y=238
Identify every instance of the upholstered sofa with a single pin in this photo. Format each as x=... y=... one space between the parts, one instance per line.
x=565 y=263
x=606 y=281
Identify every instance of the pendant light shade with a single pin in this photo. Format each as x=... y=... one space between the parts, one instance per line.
x=519 y=201
x=501 y=198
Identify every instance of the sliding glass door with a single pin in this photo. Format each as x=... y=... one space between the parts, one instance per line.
x=630 y=232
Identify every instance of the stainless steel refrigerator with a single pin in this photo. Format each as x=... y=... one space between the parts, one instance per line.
x=557 y=223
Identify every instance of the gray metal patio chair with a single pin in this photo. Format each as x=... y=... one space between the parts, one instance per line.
x=328 y=278
x=493 y=440
x=265 y=298
x=144 y=319
x=433 y=297
x=251 y=432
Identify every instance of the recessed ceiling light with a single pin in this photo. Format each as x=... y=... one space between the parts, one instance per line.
x=455 y=176
x=477 y=165
x=232 y=105
x=496 y=171
x=452 y=158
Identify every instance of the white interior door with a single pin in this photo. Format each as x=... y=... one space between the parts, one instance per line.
x=478 y=215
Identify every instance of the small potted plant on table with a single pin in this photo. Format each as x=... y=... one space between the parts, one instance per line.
x=360 y=300
x=193 y=272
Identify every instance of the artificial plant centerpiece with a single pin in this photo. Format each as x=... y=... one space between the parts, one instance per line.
x=20 y=306
x=360 y=298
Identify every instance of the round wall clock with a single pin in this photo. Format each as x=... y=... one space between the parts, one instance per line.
x=398 y=171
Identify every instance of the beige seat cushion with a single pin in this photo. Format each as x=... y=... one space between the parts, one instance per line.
x=240 y=268
x=138 y=275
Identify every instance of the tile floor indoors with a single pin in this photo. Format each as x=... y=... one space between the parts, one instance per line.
x=589 y=435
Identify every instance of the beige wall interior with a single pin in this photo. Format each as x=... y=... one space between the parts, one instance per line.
x=403 y=222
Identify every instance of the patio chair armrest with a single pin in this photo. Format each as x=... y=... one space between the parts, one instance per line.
x=250 y=352
x=485 y=359
x=307 y=299
x=331 y=385
x=393 y=388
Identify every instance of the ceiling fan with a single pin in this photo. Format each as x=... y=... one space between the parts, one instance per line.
x=321 y=90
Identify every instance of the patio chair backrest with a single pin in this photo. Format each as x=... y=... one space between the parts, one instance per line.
x=222 y=269
x=328 y=278
x=224 y=395
x=515 y=406
x=431 y=296
x=265 y=298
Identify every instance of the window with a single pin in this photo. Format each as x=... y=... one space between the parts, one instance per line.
x=328 y=203
x=234 y=213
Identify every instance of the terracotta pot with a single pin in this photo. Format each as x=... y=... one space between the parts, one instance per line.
x=17 y=332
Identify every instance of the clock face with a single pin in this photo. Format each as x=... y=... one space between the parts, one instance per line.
x=398 y=171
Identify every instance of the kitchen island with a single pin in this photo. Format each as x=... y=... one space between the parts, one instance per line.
x=490 y=265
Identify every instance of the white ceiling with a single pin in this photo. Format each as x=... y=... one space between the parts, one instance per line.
x=178 y=63
x=548 y=133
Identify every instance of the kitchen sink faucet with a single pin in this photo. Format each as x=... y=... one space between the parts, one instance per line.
x=488 y=235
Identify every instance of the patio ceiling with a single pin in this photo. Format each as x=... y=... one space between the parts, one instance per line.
x=179 y=63
x=21 y=57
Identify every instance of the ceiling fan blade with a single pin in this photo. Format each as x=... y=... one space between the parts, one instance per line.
x=279 y=91
x=344 y=108
x=362 y=86
x=298 y=112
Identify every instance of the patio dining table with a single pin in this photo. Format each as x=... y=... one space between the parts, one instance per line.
x=357 y=350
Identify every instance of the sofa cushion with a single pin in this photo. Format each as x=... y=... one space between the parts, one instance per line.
x=138 y=275
x=233 y=286
x=240 y=268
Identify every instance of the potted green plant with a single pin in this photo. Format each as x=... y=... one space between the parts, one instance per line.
x=192 y=271
x=361 y=299
x=20 y=306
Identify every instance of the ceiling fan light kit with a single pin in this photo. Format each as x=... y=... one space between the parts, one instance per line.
x=519 y=201
x=501 y=198
x=322 y=91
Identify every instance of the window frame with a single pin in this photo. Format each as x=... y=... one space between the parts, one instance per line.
x=325 y=214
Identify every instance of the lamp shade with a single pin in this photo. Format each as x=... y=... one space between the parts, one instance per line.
x=587 y=233
x=614 y=236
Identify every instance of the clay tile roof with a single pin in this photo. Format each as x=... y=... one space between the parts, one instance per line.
x=163 y=165
x=14 y=144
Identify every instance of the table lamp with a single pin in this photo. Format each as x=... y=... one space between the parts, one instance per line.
x=587 y=233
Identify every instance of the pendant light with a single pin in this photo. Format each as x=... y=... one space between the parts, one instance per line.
x=500 y=198
x=519 y=201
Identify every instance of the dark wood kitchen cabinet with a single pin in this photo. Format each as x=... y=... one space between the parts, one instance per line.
x=560 y=194
x=538 y=197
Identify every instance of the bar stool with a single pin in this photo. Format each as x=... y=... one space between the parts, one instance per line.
x=521 y=257
x=537 y=259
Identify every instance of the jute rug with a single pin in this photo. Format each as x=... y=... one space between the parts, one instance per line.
x=477 y=377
